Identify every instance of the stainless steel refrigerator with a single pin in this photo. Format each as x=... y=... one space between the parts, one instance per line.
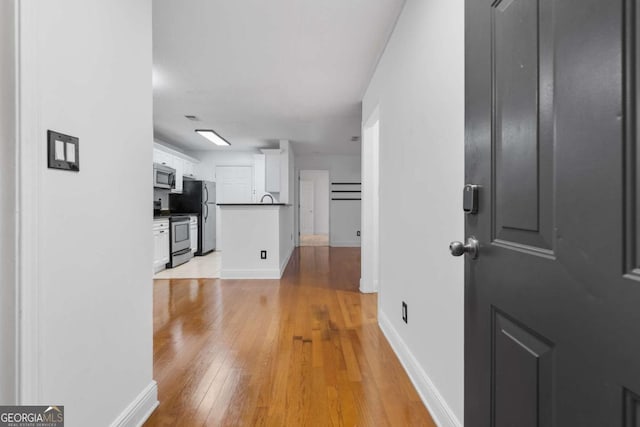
x=199 y=198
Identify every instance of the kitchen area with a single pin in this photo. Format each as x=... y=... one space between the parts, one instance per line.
x=197 y=203
x=184 y=217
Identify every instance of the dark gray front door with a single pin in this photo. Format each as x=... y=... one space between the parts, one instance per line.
x=552 y=328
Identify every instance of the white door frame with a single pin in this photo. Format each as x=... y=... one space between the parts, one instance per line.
x=8 y=187
x=29 y=162
x=370 y=255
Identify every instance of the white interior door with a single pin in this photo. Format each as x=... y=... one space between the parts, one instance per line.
x=234 y=184
x=307 y=217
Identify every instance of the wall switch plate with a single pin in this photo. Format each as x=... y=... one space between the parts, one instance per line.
x=404 y=312
x=358 y=233
x=263 y=254
x=63 y=151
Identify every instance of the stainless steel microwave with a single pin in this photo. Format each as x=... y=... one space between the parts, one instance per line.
x=164 y=176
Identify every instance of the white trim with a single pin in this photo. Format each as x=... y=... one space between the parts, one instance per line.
x=285 y=261
x=345 y=244
x=433 y=400
x=29 y=162
x=140 y=409
x=373 y=117
x=370 y=211
x=165 y=146
x=272 y=150
x=367 y=289
x=10 y=278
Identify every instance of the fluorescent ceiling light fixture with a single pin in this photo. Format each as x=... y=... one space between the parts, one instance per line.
x=212 y=136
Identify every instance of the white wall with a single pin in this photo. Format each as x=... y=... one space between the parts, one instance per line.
x=287 y=243
x=321 y=198
x=344 y=217
x=287 y=173
x=249 y=230
x=419 y=88
x=7 y=203
x=87 y=64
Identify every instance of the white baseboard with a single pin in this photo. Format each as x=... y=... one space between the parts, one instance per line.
x=285 y=261
x=366 y=290
x=140 y=409
x=345 y=244
x=433 y=400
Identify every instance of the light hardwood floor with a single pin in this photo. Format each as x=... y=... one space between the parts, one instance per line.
x=305 y=350
x=314 y=240
x=203 y=267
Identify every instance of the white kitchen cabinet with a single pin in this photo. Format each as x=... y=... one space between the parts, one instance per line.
x=178 y=165
x=193 y=233
x=278 y=165
x=183 y=166
x=189 y=169
x=272 y=171
x=162 y=157
x=160 y=244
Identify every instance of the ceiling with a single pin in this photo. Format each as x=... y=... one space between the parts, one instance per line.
x=259 y=71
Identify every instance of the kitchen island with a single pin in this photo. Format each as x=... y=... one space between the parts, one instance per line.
x=258 y=240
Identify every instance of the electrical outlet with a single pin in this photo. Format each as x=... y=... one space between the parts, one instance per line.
x=263 y=254
x=404 y=312
x=358 y=233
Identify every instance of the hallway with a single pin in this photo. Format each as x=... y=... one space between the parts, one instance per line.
x=303 y=350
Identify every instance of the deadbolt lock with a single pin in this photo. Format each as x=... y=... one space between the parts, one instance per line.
x=470 y=198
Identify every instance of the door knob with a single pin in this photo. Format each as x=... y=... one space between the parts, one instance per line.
x=471 y=248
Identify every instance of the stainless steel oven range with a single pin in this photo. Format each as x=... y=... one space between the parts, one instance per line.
x=180 y=240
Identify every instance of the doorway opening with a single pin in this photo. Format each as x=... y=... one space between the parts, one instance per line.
x=314 y=208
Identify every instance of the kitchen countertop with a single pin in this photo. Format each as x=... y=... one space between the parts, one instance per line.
x=169 y=215
x=252 y=204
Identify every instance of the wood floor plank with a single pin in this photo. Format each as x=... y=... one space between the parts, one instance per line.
x=305 y=350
